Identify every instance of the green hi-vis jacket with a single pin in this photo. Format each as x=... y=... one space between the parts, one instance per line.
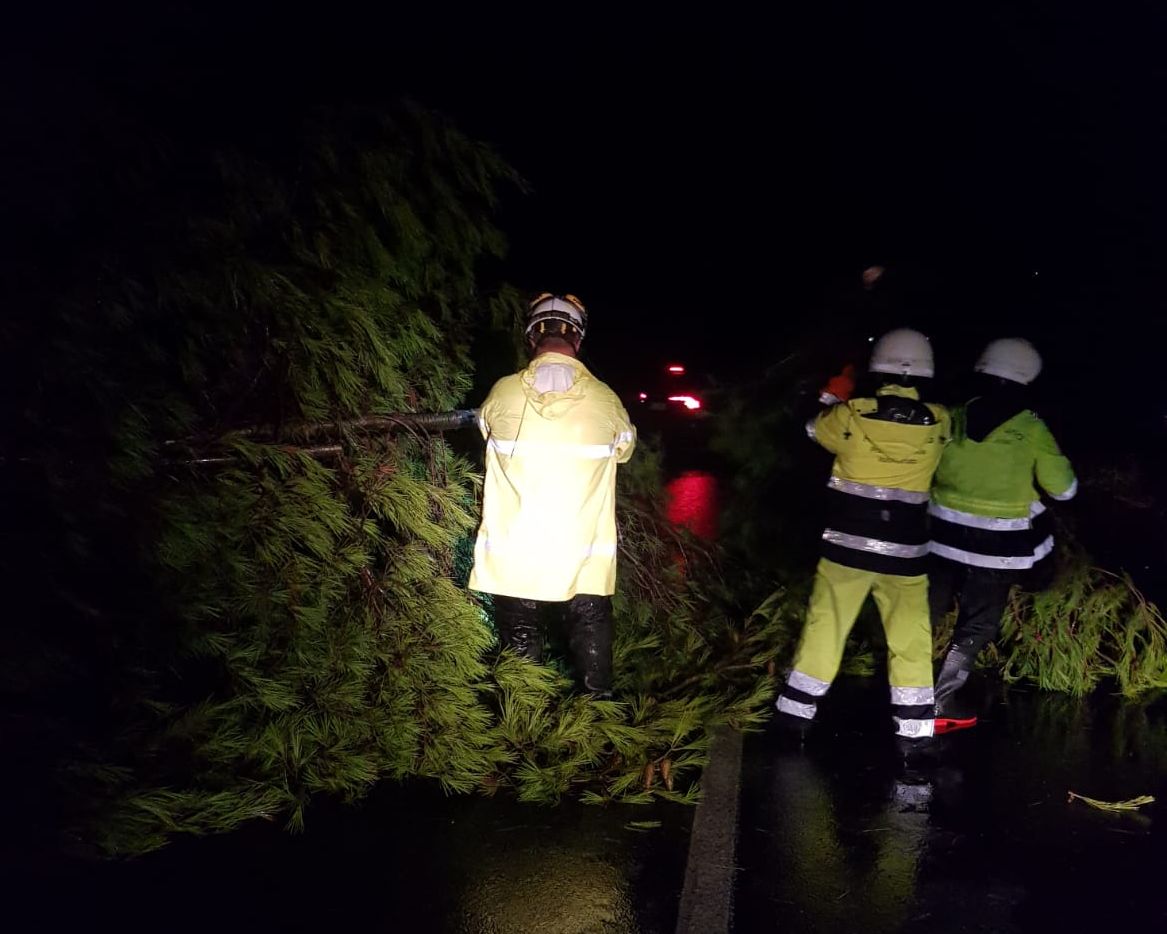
x=999 y=476
x=554 y=435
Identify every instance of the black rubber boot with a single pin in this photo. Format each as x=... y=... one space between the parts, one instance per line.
x=791 y=731
x=953 y=674
x=519 y=627
x=589 y=628
x=919 y=754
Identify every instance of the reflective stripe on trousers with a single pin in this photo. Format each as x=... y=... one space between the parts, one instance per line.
x=912 y=697
x=838 y=595
x=915 y=729
x=800 y=695
x=795 y=708
x=914 y=711
x=807 y=684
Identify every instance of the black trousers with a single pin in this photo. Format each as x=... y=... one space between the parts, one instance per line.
x=589 y=634
x=983 y=594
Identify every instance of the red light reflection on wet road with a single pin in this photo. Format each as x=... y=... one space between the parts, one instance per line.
x=693 y=503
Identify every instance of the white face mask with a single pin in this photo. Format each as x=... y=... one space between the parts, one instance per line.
x=554 y=377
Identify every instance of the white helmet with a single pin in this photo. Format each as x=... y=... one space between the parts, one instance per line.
x=1010 y=358
x=903 y=352
x=558 y=315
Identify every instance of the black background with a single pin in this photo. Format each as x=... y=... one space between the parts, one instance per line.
x=713 y=182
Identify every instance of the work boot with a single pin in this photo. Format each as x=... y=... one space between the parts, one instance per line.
x=953 y=674
x=589 y=620
x=918 y=753
x=797 y=706
x=519 y=626
x=791 y=731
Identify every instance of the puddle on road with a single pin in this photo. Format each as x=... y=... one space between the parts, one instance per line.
x=837 y=836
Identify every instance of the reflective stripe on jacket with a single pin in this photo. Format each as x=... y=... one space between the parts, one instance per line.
x=986 y=509
x=548 y=527
x=878 y=490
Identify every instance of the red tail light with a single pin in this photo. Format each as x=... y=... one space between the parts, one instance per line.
x=688 y=402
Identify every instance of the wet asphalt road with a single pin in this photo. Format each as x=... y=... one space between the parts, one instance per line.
x=834 y=836
x=838 y=836
x=409 y=859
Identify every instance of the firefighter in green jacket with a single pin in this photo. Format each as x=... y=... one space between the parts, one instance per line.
x=989 y=526
x=876 y=542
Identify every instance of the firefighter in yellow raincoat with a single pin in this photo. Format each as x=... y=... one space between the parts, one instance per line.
x=554 y=435
x=876 y=542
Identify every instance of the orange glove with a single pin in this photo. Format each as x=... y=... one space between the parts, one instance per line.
x=839 y=387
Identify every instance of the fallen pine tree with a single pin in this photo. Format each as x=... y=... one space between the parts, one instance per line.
x=204 y=644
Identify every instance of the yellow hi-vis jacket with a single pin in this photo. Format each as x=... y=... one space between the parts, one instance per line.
x=549 y=501
x=886 y=454
x=886 y=450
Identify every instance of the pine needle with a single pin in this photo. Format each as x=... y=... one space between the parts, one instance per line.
x=1132 y=804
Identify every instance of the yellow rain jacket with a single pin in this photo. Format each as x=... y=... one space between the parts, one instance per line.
x=554 y=435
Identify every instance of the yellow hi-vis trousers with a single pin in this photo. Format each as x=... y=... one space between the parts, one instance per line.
x=835 y=602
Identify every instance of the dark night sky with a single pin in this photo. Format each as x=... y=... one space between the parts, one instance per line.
x=712 y=183
x=717 y=184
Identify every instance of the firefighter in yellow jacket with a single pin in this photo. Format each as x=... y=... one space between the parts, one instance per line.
x=886 y=449
x=554 y=435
